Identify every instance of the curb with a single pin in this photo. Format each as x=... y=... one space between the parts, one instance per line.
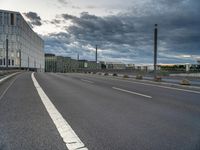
x=8 y=76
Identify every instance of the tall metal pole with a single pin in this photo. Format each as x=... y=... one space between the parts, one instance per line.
x=6 y=52
x=96 y=57
x=155 y=50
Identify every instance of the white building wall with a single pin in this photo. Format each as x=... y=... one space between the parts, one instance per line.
x=21 y=39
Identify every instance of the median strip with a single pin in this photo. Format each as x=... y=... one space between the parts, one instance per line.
x=131 y=92
x=69 y=137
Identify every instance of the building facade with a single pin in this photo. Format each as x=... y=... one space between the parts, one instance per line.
x=62 y=64
x=20 y=46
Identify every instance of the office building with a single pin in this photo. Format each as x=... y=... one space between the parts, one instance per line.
x=63 y=64
x=20 y=46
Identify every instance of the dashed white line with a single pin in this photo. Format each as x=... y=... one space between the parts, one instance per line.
x=87 y=81
x=70 y=138
x=154 y=85
x=131 y=92
x=166 y=87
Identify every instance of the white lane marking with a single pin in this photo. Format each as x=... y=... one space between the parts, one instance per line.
x=143 y=95
x=70 y=138
x=166 y=87
x=9 y=76
x=86 y=81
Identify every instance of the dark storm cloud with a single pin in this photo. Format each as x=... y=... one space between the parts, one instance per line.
x=93 y=29
x=55 y=22
x=69 y=17
x=34 y=18
x=130 y=35
x=63 y=2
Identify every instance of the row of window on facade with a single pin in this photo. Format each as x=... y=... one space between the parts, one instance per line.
x=7 y=18
x=10 y=62
x=16 y=19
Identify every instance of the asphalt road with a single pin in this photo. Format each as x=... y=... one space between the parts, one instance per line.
x=105 y=113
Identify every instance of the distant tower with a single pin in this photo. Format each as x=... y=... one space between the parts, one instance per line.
x=155 y=49
x=96 y=53
x=96 y=58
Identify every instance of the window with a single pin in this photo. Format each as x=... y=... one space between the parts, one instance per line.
x=1 y=18
x=12 y=19
x=12 y=62
x=4 y=61
x=1 y=62
x=6 y=19
x=9 y=62
x=18 y=19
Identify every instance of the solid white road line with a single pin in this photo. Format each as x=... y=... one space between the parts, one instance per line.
x=119 y=89
x=86 y=81
x=70 y=138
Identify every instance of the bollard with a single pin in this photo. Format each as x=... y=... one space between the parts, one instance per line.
x=139 y=77
x=125 y=76
x=185 y=82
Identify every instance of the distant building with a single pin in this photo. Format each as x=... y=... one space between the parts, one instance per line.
x=130 y=66
x=50 y=63
x=74 y=65
x=198 y=60
x=114 y=65
x=62 y=64
x=93 y=65
x=25 y=47
x=83 y=64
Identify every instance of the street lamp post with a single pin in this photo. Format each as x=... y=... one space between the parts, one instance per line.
x=155 y=50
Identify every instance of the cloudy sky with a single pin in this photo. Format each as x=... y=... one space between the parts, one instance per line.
x=122 y=29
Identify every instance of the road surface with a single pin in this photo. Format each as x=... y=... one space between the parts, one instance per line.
x=105 y=114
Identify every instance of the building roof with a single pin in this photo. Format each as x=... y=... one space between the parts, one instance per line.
x=48 y=54
x=16 y=12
